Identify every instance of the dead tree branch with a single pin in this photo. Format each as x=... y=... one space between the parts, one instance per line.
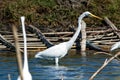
x=104 y=65
x=112 y=26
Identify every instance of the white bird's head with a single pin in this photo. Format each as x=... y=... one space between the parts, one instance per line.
x=87 y=13
x=22 y=18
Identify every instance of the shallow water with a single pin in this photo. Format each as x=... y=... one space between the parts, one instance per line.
x=72 y=67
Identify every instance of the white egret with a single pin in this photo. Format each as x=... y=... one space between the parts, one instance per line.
x=26 y=73
x=60 y=50
x=115 y=46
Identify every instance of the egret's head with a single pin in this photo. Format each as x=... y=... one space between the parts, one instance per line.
x=92 y=15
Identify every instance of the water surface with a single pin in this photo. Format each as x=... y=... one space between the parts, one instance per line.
x=74 y=67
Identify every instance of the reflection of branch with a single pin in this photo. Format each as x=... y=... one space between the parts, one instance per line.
x=103 y=53
x=105 y=64
x=9 y=77
x=106 y=54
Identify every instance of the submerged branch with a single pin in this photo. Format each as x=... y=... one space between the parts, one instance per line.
x=104 y=65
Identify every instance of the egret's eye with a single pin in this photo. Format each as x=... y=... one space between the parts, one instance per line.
x=87 y=15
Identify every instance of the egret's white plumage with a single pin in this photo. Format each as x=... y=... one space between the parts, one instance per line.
x=60 y=50
x=26 y=74
x=115 y=46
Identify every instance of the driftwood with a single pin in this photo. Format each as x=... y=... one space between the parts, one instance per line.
x=112 y=26
x=106 y=54
x=98 y=37
x=104 y=65
x=18 y=54
x=40 y=35
x=32 y=39
x=83 y=37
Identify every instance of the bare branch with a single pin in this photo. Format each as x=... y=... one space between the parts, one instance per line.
x=106 y=54
x=104 y=65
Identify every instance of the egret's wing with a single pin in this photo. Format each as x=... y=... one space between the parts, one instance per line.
x=52 y=52
x=115 y=46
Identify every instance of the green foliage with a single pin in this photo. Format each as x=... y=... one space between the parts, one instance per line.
x=109 y=8
x=46 y=3
x=48 y=12
x=14 y=9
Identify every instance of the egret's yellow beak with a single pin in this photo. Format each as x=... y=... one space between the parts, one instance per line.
x=96 y=16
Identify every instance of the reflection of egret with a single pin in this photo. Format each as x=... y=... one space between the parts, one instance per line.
x=115 y=46
x=60 y=50
x=26 y=73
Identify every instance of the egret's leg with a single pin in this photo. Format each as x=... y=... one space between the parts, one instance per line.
x=56 y=61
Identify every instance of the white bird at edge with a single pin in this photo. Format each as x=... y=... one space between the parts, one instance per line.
x=115 y=46
x=26 y=74
x=60 y=50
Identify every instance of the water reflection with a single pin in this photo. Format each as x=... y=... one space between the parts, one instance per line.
x=73 y=67
x=59 y=72
x=55 y=72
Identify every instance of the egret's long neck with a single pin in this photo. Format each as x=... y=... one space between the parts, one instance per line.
x=72 y=40
x=25 y=47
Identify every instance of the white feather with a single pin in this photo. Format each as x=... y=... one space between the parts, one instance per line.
x=115 y=46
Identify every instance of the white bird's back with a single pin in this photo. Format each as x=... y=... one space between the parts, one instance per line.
x=54 y=51
x=115 y=46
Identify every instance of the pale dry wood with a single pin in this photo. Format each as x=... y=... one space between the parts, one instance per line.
x=112 y=26
x=106 y=54
x=18 y=54
x=83 y=38
x=104 y=65
x=98 y=37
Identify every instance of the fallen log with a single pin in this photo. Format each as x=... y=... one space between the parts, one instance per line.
x=106 y=62
x=112 y=26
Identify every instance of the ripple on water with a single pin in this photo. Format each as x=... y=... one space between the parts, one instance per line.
x=76 y=68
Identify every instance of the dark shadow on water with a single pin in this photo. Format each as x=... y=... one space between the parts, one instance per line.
x=44 y=61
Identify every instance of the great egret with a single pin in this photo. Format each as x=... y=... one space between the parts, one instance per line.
x=60 y=50
x=26 y=73
x=115 y=46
